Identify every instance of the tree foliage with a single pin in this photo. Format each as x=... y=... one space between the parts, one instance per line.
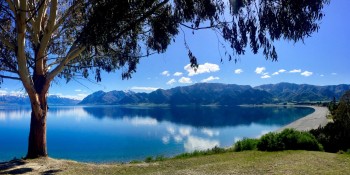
x=44 y=39
x=87 y=36
x=335 y=135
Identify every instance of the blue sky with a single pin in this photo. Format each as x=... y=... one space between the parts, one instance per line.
x=322 y=59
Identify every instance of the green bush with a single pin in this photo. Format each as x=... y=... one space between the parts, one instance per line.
x=336 y=136
x=270 y=142
x=246 y=144
x=289 y=139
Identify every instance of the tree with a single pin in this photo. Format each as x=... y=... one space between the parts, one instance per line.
x=45 y=39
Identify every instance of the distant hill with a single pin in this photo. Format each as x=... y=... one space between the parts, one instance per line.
x=220 y=94
x=289 y=92
x=197 y=94
x=24 y=100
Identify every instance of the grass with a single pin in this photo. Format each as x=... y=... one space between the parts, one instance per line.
x=246 y=162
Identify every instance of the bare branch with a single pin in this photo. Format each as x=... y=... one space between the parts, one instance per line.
x=9 y=77
x=201 y=28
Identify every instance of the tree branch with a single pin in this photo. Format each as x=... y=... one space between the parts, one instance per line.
x=200 y=28
x=12 y=6
x=21 y=54
x=46 y=38
x=9 y=77
x=73 y=53
x=145 y=16
x=65 y=15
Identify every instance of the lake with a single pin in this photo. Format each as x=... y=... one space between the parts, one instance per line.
x=121 y=134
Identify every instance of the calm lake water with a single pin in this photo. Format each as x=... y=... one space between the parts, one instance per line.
x=120 y=134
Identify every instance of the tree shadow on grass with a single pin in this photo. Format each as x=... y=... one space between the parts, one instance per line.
x=10 y=167
x=50 y=172
x=14 y=167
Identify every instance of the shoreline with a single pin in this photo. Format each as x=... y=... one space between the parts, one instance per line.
x=312 y=121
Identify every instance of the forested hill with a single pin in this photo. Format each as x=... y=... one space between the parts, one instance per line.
x=288 y=92
x=221 y=94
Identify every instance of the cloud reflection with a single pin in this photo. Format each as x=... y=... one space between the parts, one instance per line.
x=196 y=143
x=171 y=130
x=137 y=121
x=14 y=115
x=185 y=131
x=189 y=138
x=210 y=132
x=2 y=116
x=166 y=139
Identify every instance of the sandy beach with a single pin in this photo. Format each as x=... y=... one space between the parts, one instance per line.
x=311 y=121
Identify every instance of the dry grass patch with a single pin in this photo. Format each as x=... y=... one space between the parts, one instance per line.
x=248 y=162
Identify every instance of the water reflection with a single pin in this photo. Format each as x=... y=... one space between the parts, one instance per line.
x=115 y=133
x=196 y=143
x=204 y=116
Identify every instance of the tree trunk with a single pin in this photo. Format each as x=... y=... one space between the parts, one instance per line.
x=37 y=135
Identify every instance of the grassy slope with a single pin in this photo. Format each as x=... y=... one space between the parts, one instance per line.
x=250 y=162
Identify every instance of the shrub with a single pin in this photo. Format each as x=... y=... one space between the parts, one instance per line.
x=336 y=136
x=270 y=142
x=149 y=159
x=289 y=139
x=246 y=144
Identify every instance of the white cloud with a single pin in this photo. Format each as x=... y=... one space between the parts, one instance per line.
x=140 y=88
x=238 y=71
x=178 y=74
x=295 y=71
x=265 y=76
x=79 y=96
x=170 y=82
x=322 y=75
x=306 y=73
x=211 y=78
x=78 y=90
x=166 y=73
x=260 y=70
x=281 y=70
x=275 y=73
x=203 y=68
x=185 y=80
x=17 y=93
x=333 y=73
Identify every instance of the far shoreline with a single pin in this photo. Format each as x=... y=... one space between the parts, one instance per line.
x=312 y=121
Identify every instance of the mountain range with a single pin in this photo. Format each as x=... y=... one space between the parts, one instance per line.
x=221 y=94
x=24 y=100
